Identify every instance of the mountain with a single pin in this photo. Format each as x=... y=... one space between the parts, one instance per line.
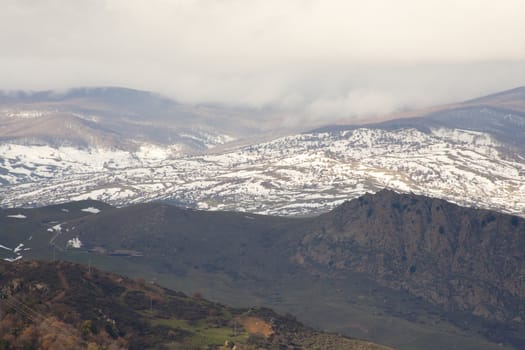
x=470 y=153
x=295 y=175
x=61 y=305
x=452 y=256
x=501 y=115
x=112 y=117
x=378 y=266
x=509 y=99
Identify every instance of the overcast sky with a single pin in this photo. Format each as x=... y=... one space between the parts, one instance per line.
x=323 y=58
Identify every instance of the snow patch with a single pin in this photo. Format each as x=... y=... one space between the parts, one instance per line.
x=203 y=205
x=13 y=259
x=17 y=216
x=74 y=243
x=26 y=114
x=92 y=210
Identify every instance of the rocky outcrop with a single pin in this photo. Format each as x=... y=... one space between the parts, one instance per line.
x=458 y=258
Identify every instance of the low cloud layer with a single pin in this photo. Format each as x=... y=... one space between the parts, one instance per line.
x=308 y=58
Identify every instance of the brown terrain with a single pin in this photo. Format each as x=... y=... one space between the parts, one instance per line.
x=61 y=305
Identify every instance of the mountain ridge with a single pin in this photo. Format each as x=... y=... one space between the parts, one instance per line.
x=299 y=174
x=511 y=100
x=457 y=266
x=136 y=117
x=295 y=175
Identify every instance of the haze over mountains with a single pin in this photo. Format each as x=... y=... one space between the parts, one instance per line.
x=356 y=166
x=116 y=118
x=500 y=115
x=125 y=146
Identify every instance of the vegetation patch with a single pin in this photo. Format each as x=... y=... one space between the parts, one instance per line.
x=256 y=325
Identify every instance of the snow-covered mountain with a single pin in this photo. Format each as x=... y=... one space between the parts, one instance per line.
x=299 y=174
x=471 y=153
x=501 y=115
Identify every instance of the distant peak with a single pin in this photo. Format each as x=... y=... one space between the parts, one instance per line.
x=515 y=93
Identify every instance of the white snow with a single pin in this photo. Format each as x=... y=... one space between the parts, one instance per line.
x=74 y=243
x=26 y=114
x=154 y=152
x=105 y=194
x=17 y=250
x=292 y=175
x=92 y=210
x=17 y=216
x=203 y=205
x=13 y=259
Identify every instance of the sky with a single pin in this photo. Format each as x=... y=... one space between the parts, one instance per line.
x=324 y=59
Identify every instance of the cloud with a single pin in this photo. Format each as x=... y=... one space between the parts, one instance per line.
x=308 y=57
x=358 y=102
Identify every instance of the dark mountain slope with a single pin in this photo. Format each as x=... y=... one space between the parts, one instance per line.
x=34 y=227
x=453 y=256
x=431 y=247
x=179 y=239
x=67 y=306
x=446 y=268
x=511 y=99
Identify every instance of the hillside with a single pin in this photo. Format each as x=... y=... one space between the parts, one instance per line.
x=95 y=145
x=425 y=266
x=68 y=306
x=114 y=118
x=295 y=175
x=455 y=257
x=500 y=115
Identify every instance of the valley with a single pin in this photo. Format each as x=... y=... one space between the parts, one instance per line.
x=406 y=232
x=439 y=272
x=262 y=175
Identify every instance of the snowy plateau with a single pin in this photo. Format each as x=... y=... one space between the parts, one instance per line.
x=301 y=174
